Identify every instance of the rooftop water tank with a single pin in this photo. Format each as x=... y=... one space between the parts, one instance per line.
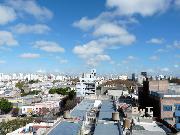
x=66 y=115
x=115 y=116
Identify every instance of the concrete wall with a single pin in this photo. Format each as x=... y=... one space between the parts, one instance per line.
x=161 y=85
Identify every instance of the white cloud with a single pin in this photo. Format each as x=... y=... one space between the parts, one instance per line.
x=97 y=47
x=37 y=28
x=48 y=46
x=176 y=44
x=161 y=50
x=30 y=55
x=176 y=66
x=84 y=23
x=177 y=3
x=88 y=50
x=109 y=35
x=109 y=29
x=63 y=61
x=97 y=59
x=105 y=17
x=31 y=7
x=154 y=58
x=7 y=14
x=129 y=58
x=155 y=41
x=164 y=69
x=142 y=7
x=2 y=61
x=6 y=38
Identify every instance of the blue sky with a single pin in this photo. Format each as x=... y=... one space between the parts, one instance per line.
x=114 y=36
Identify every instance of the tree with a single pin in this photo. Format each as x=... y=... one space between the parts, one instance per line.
x=20 y=85
x=72 y=94
x=5 y=106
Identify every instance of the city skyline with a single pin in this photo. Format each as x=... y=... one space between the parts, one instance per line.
x=73 y=36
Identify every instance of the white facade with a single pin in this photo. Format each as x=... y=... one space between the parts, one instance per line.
x=87 y=84
x=38 y=106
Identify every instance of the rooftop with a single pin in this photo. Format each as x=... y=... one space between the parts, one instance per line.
x=66 y=128
x=168 y=93
x=69 y=128
x=81 y=109
x=107 y=129
x=106 y=110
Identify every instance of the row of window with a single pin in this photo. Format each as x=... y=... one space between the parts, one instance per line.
x=169 y=107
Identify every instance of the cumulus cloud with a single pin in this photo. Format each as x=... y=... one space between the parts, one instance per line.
x=155 y=41
x=6 y=38
x=88 y=50
x=109 y=29
x=84 y=23
x=177 y=3
x=154 y=58
x=36 y=29
x=165 y=69
x=30 y=7
x=97 y=59
x=87 y=24
x=7 y=14
x=176 y=44
x=141 y=7
x=48 y=46
x=176 y=66
x=108 y=35
x=30 y=55
x=161 y=50
x=63 y=61
x=129 y=58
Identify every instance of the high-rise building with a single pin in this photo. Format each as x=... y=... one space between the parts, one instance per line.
x=86 y=84
x=144 y=74
x=133 y=77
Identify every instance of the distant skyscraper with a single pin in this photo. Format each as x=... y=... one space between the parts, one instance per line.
x=144 y=74
x=133 y=77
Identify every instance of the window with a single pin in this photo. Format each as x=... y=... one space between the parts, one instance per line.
x=168 y=119
x=177 y=119
x=167 y=108
x=177 y=107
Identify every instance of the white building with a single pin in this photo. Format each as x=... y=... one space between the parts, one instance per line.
x=37 y=107
x=87 y=84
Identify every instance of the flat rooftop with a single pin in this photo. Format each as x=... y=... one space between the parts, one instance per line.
x=107 y=129
x=66 y=128
x=106 y=110
x=69 y=128
x=81 y=109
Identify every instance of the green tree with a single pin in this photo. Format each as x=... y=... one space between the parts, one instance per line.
x=20 y=85
x=72 y=94
x=5 y=106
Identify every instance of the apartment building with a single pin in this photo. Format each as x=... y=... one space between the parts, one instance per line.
x=167 y=106
x=86 y=84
